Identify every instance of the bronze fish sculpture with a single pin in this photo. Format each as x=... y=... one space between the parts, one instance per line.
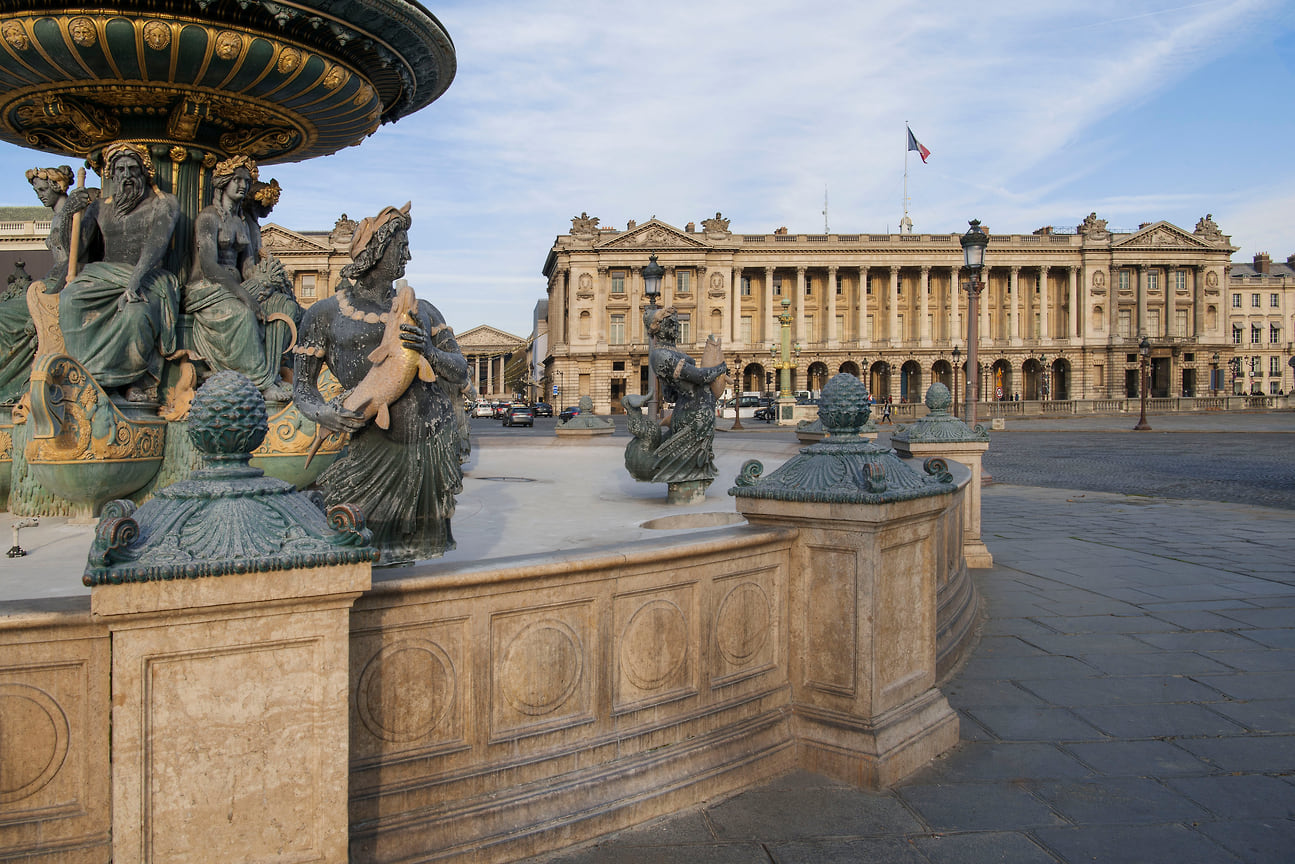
x=394 y=368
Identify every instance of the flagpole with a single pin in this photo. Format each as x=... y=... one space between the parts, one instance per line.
x=905 y=220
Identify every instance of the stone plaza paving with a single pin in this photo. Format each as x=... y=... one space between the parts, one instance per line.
x=1132 y=696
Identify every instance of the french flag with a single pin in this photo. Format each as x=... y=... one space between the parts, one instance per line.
x=914 y=144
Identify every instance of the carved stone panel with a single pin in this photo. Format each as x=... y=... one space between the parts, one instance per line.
x=831 y=620
x=745 y=624
x=656 y=651
x=409 y=688
x=54 y=780
x=541 y=670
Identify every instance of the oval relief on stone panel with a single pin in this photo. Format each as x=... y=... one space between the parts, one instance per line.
x=742 y=623
x=33 y=740
x=541 y=667
x=654 y=644
x=406 y=690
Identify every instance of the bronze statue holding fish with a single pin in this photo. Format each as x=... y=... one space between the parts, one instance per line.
x=399 y=363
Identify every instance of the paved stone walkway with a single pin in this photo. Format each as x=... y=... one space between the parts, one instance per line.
x=1132 y=699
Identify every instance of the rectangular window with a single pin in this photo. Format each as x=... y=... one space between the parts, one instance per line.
x=1275 y=301
x=1125 y=324
x=1274 y=334
x=1180 y=322
x=868 y=287
x=1236 y=301
x=618 y=281
x=1180 y=280
x=1236 y=334
x=1256 y=334
x=809 y=287
x=1274 y=367
x=307 y=285
x=840 y=326
x=901 y=333
x=1273 y=387
x=809 y=329
x=1098 y=373
x=840 y=286
x=1153 y=280
x=685 y=328
x=616 y=332
x=777 y=286
x=746 y=286
x=745 y=329
x=1254 y=301
x=1124 y=280
x=1153 y=323
x=870 y=330
x=683 y=281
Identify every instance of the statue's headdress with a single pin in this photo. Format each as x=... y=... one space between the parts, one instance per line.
x=60 y=176
x=371 y=225
x=659 y=319
x=227 y=167
x=125 y=148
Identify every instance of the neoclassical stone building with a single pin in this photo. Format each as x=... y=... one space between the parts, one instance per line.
x=1061 y=316
x=1261 y=322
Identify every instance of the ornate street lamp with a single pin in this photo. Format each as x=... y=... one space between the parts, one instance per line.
x=1144 y=352
x=785 y=363
x=957 y=360
x=561 y=391
x=1043 y=377
x=973 y=258
x=652 y=274
x=1214 y=374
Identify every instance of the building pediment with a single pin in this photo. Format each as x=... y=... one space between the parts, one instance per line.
x=1161 y=235
x=275 y=238
x=484 y=337
x=653 y=234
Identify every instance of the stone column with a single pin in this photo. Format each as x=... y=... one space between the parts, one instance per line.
x=833 y=338
x=893 y=334
x=1045 y=333
x=1013 y=306
x=635 y=292
x=800 y=307
x=770 y=328
x=1072 y=325
x=558 y=309
x=953 y=330
x=862 y=323
x=1142 y=301
x=1198 y=301
x=924 y=306
x=735 y=305
x=667 y=289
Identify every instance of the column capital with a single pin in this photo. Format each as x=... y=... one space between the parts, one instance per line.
x=800 y=269
x=925 y=269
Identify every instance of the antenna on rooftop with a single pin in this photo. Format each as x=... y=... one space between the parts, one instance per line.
x=826 y=230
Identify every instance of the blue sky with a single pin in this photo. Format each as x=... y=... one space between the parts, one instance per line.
x=1035 y=114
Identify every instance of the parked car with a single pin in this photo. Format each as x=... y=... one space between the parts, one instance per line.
x=483 y=409
x=767 y=412
x=519 y=415
x=542 y=409
x=747 y=406
x=568 y=413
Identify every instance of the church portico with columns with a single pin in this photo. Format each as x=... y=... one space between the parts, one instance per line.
x=1061 y=315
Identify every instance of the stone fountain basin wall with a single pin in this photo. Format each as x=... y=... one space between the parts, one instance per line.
x=502 y=708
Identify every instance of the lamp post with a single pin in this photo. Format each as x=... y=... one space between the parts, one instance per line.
x=1234 y=365
x=973 y=258
x=561 y=391
x=1044 y=390
x=737 y=395
x=652 y=274
x=1214 y=374
x=957 y=360
x=1144 y=352
x=784 y=365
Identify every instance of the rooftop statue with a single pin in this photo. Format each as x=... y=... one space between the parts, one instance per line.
x=402 y=467
x=243 y=311
x=684 y=455
x=118 y=314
